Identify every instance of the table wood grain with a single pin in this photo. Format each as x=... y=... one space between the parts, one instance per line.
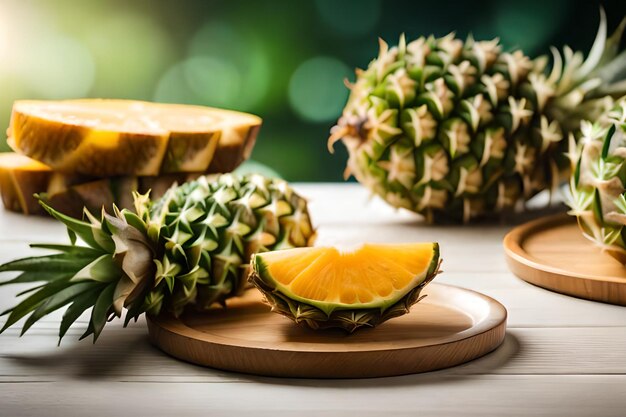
x=562 y=356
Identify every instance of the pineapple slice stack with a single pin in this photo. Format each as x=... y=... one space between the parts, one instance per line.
x=455 y=129
x=598 y=183
x=92 y=152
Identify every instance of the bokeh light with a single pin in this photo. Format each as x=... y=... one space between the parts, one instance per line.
x=316 y=90
x=201 y=80
x=173 y=87
x=233 y=58
x=131 y=51
x=56 y=66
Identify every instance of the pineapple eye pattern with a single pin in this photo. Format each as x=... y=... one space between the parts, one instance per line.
x=497 y=121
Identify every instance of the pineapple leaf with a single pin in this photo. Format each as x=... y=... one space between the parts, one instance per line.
x=597 y=49
x=133 y=312
x=100 y=312
x=48 y=263
x=76 y=251
x=33 y=302
x=37 y=276
x=80 y=304
x=91 y=235
x=607 y=142
x=102 y=269
x=133 y=220
x=55 y=302
x=612 y=44
x=597 y=207
x=29 y=290
x=613 y=71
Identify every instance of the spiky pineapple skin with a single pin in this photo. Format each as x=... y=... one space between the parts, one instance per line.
x=346 y=319
x=243 y=217
x=456 y=130
x=598 y=184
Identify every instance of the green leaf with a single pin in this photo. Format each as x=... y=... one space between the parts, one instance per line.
x=100 y=312
x=102 y=269
x=134 y=220
x=90 y=234
x=77 y=251
x=597 y=207
x=577 y=172
x=72 y=236
x=48 y=263
x=81 y=303
x=596 y=51
x=607 y=142
x=37 y=276
x=33 y=302
x=134 y=311
x=55 y=302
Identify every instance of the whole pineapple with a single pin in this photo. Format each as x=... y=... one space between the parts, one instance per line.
x=455 y=130
x=192 y=246
x=598 y=183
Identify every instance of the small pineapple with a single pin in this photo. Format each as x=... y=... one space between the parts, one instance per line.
x=598 y=183
x=457 y=130
x=190 y=247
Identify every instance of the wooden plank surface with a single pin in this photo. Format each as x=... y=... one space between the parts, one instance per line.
x=561 y=357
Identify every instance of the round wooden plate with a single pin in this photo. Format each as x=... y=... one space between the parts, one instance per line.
x=552 y=253
x=450 y=326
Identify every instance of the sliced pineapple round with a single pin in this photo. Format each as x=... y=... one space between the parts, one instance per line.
x=123 y=137
x=22 y=177
x=324 y=287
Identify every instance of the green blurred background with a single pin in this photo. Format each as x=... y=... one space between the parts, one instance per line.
x=283 y=60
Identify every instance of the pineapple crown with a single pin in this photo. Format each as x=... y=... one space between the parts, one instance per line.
x=598 y=184
x=190 y=247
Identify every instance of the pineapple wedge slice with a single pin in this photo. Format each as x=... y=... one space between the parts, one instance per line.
x=326 y=288
x=102 y=138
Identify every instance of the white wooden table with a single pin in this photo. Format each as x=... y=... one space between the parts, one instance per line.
x=562 y=356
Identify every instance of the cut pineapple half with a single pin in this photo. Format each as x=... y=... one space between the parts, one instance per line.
x=328 y=288
x=124 y=137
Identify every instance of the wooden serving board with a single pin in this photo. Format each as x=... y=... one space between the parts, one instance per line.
x=552 y=253
x=449 y=327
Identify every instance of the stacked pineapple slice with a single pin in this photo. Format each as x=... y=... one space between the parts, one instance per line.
x=598 y=183
x=92 y=152
x=457 y=129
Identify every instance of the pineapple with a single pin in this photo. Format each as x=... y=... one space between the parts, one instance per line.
x=103 y=138
x=456 y=130
x=325 y=288
x=24 y=181
x=190 y=247
x=598 y=184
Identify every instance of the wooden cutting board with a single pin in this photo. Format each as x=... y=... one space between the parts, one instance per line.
x=552 y=253
x=449 y=327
